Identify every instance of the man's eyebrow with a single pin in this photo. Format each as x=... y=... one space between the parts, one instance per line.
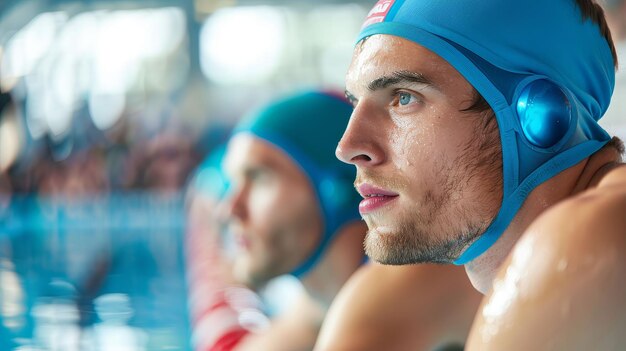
x=400 y=77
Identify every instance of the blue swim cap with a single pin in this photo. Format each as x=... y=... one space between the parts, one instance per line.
x=308 y=126
x=535 y=59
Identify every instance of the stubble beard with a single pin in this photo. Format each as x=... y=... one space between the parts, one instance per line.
x=427 y=231
x=422 y=233
x=410 y=245
x=436 y=232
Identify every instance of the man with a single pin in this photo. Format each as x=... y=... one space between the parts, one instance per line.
x=476 y=141
x=292 y=209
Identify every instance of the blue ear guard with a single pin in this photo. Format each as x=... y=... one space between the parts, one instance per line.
x=544 y=112
x=547 y=74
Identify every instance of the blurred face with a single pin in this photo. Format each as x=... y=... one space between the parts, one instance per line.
x=430 y=173
x=274 y=212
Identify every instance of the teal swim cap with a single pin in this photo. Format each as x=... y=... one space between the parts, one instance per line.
x=307 y=126
x=547 y=73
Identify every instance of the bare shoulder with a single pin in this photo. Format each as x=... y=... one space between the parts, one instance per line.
x=563 y=286
x=400 y=308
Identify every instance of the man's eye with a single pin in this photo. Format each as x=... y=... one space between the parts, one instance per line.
x=258 y=175
x=405 y=98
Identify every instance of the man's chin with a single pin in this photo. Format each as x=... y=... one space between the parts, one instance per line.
x=402 y=248
x=386 y=257
x=250 y=275
x=385 y=247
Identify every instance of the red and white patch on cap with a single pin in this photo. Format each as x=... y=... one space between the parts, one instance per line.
x=378 y=13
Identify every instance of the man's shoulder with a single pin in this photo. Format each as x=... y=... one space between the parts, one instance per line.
x=563 y=282
x=592 y=219
x=400 y=308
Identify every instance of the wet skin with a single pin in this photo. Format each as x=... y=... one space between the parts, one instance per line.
x=562 y=287
x=563 y=283
x=409 y=138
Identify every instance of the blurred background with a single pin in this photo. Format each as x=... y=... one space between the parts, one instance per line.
x=106 y=110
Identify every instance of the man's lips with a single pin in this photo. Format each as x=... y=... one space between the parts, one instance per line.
x=374 y=197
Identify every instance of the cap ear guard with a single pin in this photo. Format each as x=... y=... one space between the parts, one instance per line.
x=544 y=111
x=547 y=97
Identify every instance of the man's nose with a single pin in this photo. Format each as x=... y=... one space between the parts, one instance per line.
x=234 y=204
x=360 y=144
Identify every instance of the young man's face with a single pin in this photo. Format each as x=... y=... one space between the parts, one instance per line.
x=438 y=168
x=275 y=216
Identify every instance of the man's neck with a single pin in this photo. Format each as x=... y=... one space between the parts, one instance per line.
x=570 y=182
x=343 y=257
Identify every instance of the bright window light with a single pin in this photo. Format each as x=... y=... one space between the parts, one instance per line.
x=242 y=44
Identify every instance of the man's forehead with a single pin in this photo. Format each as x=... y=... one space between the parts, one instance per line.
x=248 y=151
x=383 y=55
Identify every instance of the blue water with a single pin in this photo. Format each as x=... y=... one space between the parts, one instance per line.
x=104 y=273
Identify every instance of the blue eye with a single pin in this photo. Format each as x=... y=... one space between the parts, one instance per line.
x=404 y=98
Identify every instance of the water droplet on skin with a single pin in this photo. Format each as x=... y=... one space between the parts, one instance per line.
x=506 y=290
